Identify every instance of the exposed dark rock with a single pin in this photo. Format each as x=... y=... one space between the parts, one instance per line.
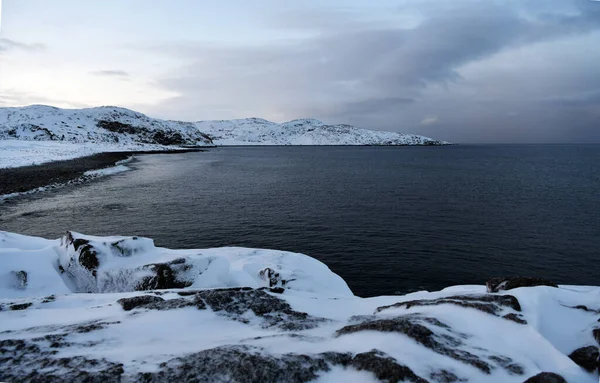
x=412 y=325
x=515 y=318
x=274 y=311
x=384 y=367
x=165 y=138
x=508 y=364
x=237 y=364
x=596 y=334
x=118 y=127
x=270 y=275
x=233 y=302
x=152 y=135
x=25 y=361
x=21 y=306
x=586 y=357
x=165 y=276
x=133 y=302
x=49 y=298
x=445 y=341
x=172 y=304
x=497 y=284
x=444 y=376
x=19 y=279
x=84 y=327
x=242 y=364
x=88 y=327
x=546 y=377
x=490 y=304
x=581 y=307
x=88 y=257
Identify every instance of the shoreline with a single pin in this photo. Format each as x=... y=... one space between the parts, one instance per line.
x=26 y=178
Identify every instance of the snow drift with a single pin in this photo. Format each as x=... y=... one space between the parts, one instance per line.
x=120 y=309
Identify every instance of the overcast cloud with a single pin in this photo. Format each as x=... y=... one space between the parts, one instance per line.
x=461 y=70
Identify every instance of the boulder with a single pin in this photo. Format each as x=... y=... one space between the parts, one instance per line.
x=133 y=302
x=586 y=357
x=546 y=377
x=497 y=284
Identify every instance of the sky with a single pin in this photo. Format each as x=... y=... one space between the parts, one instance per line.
x=466 y=71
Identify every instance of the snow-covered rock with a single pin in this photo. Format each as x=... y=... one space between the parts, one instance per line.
x=256 y=131
x=37 y=134
x=89 y=264
x=103 y=125
x=120 y=126
x=70 y=311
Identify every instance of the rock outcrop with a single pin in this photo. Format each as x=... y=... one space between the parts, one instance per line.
x=498 y=284
x=546 y=377
x=586 y=357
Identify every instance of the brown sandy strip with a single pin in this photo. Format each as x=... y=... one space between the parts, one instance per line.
x=25 y=178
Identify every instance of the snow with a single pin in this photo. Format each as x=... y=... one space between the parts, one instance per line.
x=143 y=339
x=121 y=257
x=254 y=131
x=37 y=134
x=15 y=153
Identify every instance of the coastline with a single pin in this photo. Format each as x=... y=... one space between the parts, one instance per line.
x=27 y=178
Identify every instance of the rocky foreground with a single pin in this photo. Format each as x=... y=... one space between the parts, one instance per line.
x=119 y=309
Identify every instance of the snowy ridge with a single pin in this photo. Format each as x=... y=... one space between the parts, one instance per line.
x=103 y=125
x=256 y=131
x=37 y=134
x=119 y=309
x=120 y=126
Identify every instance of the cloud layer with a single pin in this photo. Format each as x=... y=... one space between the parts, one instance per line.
x=460 y=70
x=387 y=75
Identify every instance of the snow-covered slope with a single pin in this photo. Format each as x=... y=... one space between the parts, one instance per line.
x=112 y=125
x=73 y=309
x=105 y=125
x=256 y=131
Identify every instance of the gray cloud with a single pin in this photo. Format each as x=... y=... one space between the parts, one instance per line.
x=8 y=45
x=110 y=73
x=390 y=77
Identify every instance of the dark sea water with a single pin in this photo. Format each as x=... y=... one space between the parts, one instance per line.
x=387 y=219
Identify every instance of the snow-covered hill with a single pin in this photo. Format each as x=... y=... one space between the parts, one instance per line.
x=117 y=127
x=256 y=131
x=119 y=309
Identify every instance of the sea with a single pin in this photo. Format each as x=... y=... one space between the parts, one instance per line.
x=389 y=220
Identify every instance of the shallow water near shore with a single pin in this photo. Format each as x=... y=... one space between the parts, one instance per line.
x=387 y=219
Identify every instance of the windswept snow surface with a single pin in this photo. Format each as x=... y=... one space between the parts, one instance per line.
x=16 y=153
x=69 y=310
x=257 y=131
